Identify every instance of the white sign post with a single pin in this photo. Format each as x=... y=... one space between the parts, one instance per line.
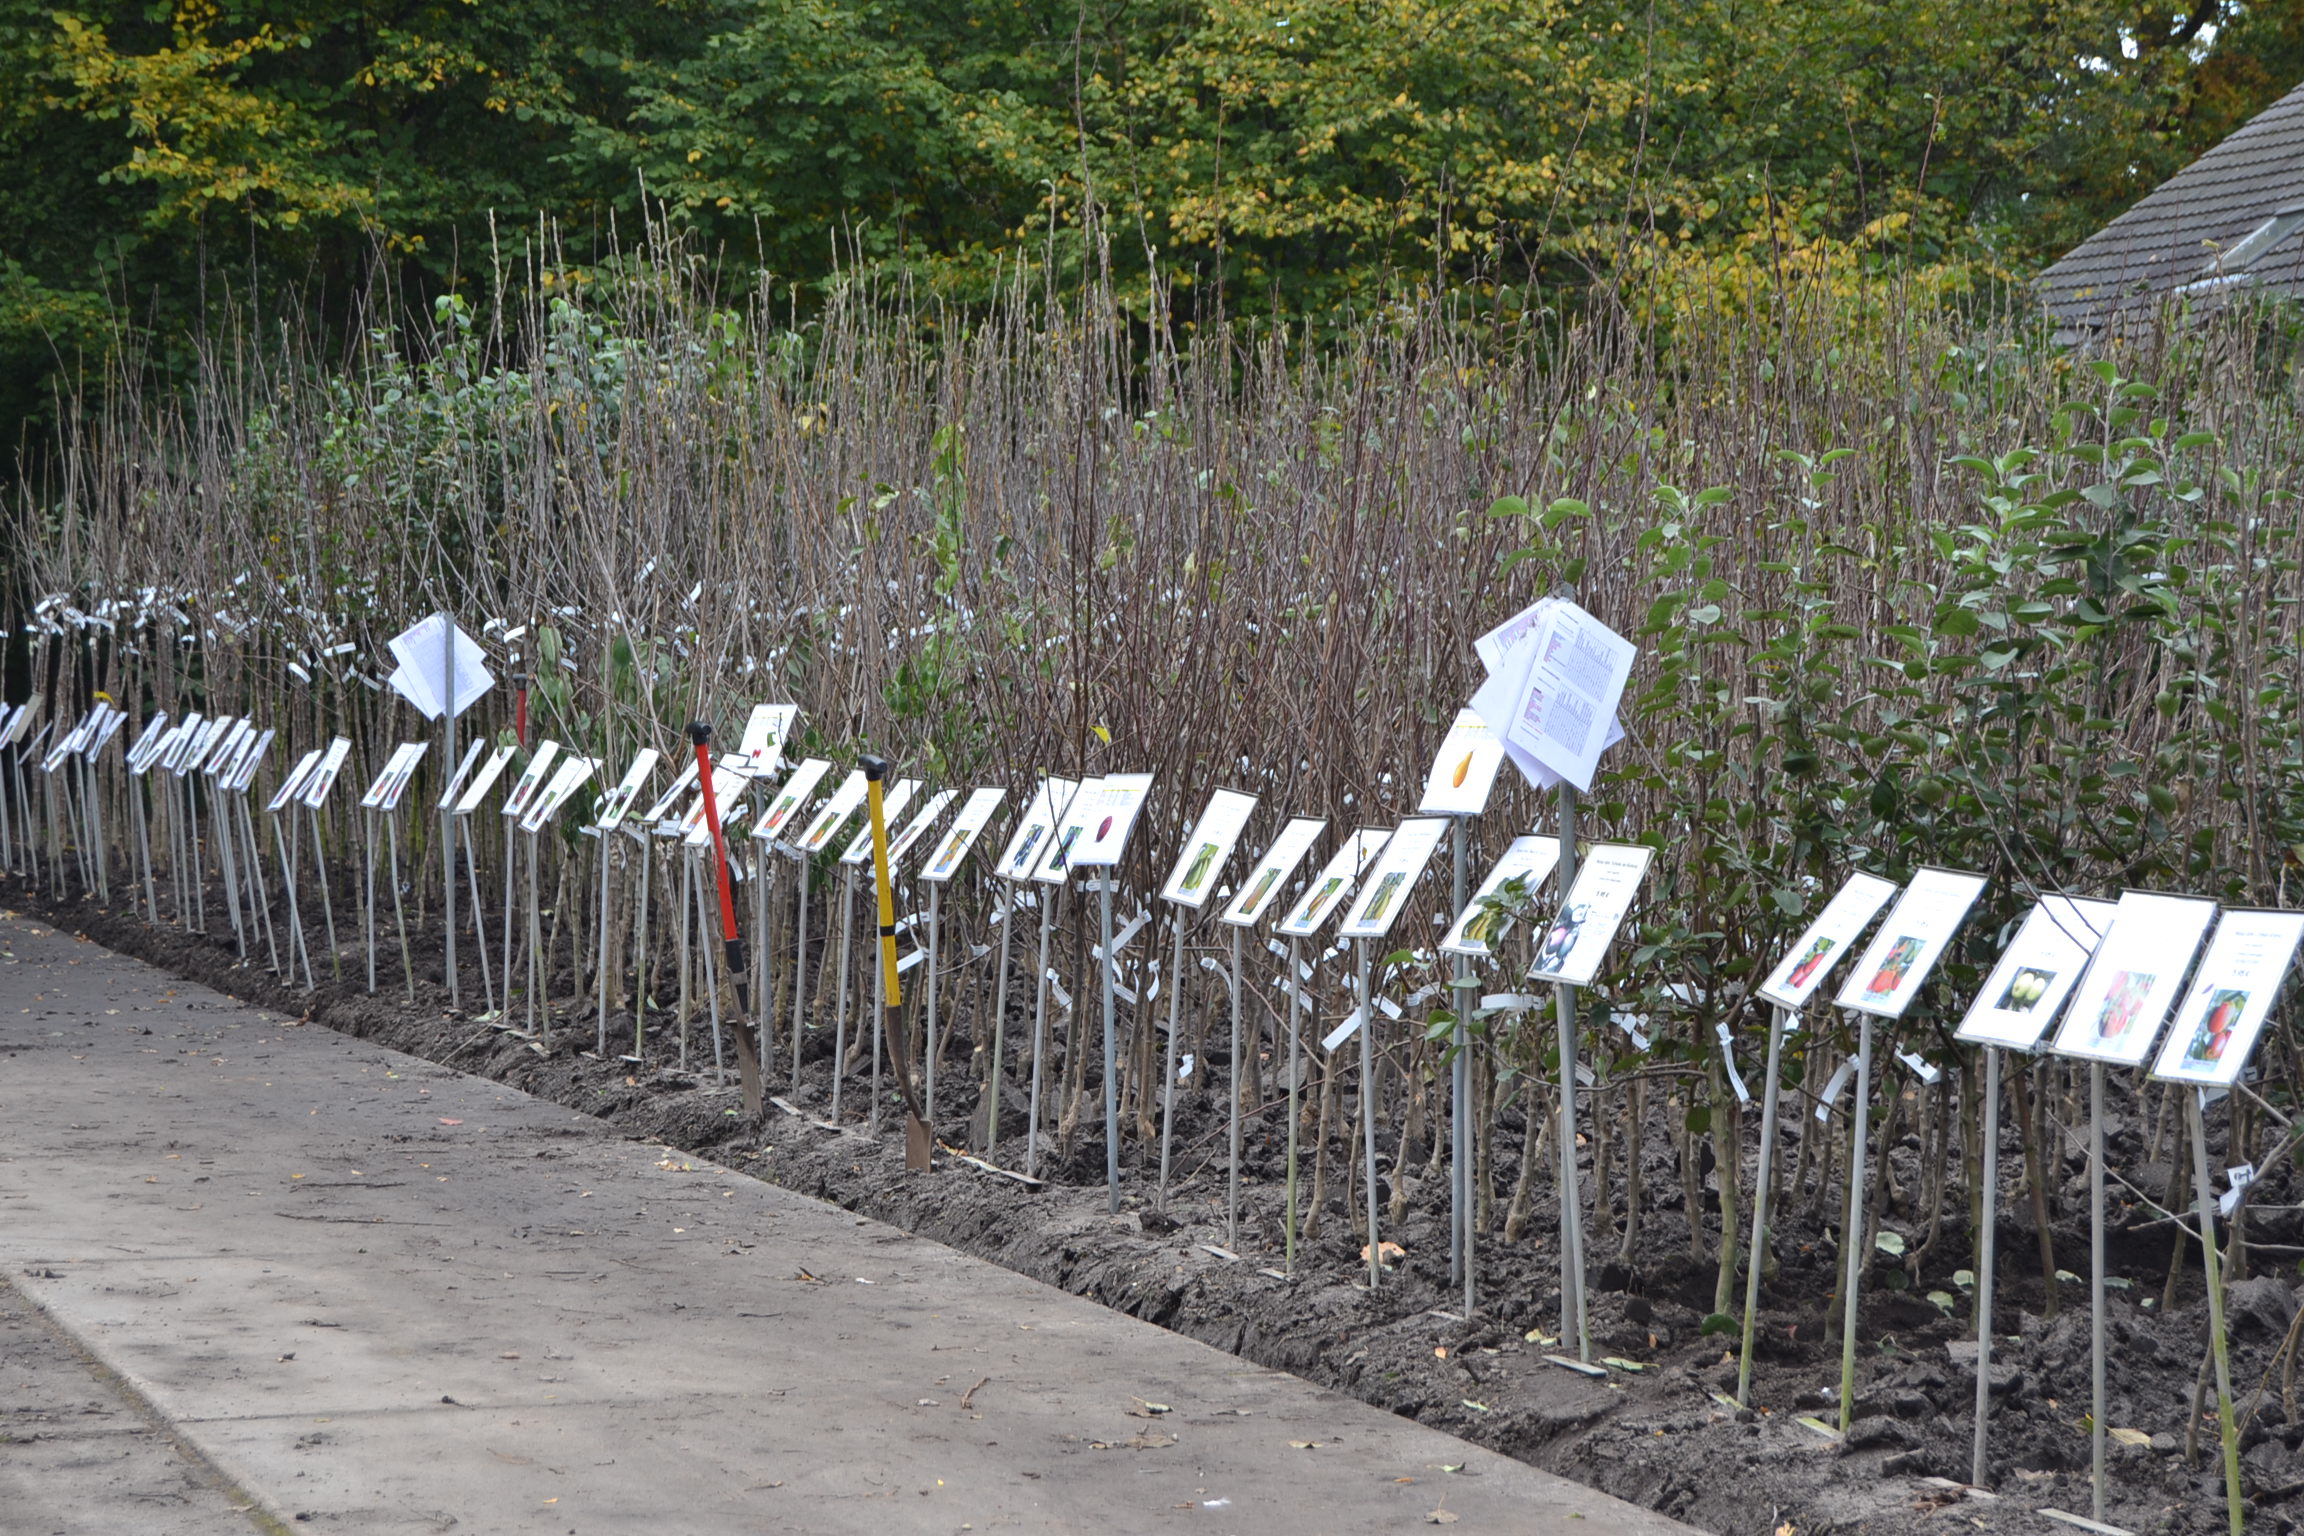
x=1371 y=917
x=1797 y=976
x=1024 y=859
x=1199 y=866
x=1043 y=811
x=1095 y=834
x=615 y=806
x=1882 y=986
x=383 y=799
x=1255 y=899
x=2035 y=973
x=770 y=833
x=2115 y=1014
x=1457 y=787
x=524 y=789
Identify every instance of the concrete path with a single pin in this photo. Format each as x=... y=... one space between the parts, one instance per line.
x=383 y=1297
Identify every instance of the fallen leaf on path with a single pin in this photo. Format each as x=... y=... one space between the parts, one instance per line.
x=444 y=1120
x=513 y=1461
x=2130 y=1436
x=1145 y=1410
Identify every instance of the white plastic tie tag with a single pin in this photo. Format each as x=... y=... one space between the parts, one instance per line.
x=1504 y=1002
x=1630 y=1023
x=910 y=961
x=1584 y=1075
x=1184 y=1068
x=1390 y=1009
x=1422 y=995
x=1277 y=948
x=1342 y=1032
x=2240 y=1177
x=1123 y=993
x=1838 y=1081
x=1728 y=1060
x=1056 y=989
x=1919 y=1066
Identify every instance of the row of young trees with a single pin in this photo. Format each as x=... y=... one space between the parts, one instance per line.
x=1910 y=586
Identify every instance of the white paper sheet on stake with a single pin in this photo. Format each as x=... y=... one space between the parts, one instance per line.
x=1334 y=882
x=2239 y=978
x=1021 y=858
x=2135 y=975
x=1385 y=892
x=1906 y=947
x=1272 y=872
x=790 y=798
x=1208 y=849
x=1530 y=859
x=531 y=779
x=1464 y=773
x=618 y=805
x=484 y=780
x=892 y=802
x=2036 y=972
x=1826 y=941
x=1608 y=880
x=1104 y=820
x=969 y=825
x=1575 y=680
x=422 y=653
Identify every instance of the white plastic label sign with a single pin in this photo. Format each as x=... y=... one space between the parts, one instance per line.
x=1827 y=940
x=966 y=828
x=1607 y=881
x=1529 y=859
x=2132 y=979
x=2217 y=1027
x=1909 y=942
x=1200 y=864
x=2036 y=972
x=1272 y=870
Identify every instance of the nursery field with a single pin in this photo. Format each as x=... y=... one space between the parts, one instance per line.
x=1908 y=595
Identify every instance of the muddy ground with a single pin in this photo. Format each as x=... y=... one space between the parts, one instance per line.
x=1657 y=1430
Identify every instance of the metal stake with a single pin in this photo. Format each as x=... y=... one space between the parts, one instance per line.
x=1111 y=1062
x=1368 y=1111
x=840 y=1009
x=1295 y=1081
x=1757 y=1256
x=1175 y=1027
x=1572 y=1314
x=935 y=941
x=1984 y=1263
x=2096 y=1283
x=1039 y=1034
x=1233 y=1079
x=999 y=1028
x=1852 y=1236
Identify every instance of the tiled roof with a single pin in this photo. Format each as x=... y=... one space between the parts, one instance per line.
x=2172 y=237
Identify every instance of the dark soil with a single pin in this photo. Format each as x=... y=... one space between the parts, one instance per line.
x=1665 y=1435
